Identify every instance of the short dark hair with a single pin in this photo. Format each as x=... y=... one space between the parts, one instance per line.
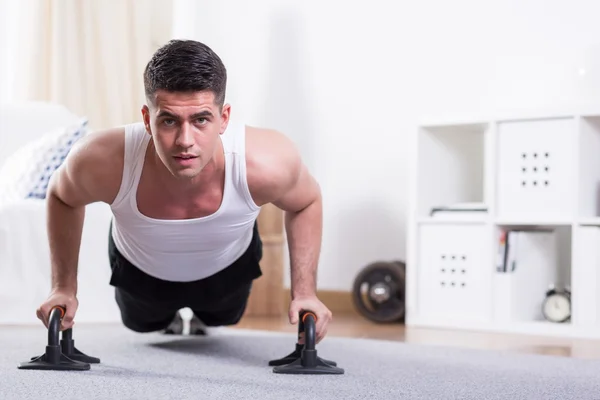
x=186 y=66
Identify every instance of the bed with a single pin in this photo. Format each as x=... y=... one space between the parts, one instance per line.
x=34 y=139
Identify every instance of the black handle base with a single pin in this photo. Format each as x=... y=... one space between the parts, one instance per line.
x=54 y=359
x=67 y=345
x=304 y=359
x=296 y=355
x=61 y=356
x=311 y=365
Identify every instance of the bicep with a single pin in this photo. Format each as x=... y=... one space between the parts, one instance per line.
x=299 y=188
x=277 y=173
x=85 y=176
x=71 y=181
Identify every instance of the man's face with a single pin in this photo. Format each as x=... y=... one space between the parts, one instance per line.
x=185 y=128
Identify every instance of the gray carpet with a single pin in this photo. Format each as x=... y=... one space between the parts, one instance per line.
x=232 y=364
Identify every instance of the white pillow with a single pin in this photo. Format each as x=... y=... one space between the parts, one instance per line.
x=26 y=172
x=24 y=121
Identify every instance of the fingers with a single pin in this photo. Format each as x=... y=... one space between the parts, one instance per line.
x=322 y=313
x=42 y=315
x=293 y=313
x=69 y=305
x=68 y=319
x=323 y=319
x=321 y=335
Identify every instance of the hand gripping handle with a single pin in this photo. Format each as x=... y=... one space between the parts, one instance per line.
x=57 y=313
x=307 y=326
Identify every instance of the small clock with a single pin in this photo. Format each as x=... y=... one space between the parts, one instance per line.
x=557 y=305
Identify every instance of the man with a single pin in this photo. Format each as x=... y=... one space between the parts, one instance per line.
x=185 y=187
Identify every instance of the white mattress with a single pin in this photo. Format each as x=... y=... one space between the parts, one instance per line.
x=25 y=264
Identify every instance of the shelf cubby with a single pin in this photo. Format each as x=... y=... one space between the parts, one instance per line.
x=451 y=165
x=537 y=176
x=530 y=261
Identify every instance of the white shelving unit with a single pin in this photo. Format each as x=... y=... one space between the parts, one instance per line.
x=539 y=175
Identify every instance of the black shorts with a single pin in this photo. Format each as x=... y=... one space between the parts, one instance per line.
x=149 y=304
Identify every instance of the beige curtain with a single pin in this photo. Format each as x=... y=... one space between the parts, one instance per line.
x=90 y=55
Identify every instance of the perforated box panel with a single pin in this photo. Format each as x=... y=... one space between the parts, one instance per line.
x=536 y=168
x=455 y=271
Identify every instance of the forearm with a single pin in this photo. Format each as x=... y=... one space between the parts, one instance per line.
x=304 y=233
x=64 y=227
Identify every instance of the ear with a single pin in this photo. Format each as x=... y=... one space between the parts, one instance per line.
x=225 y=115
x=146 y=117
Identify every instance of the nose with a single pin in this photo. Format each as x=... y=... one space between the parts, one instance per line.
x=185 y=138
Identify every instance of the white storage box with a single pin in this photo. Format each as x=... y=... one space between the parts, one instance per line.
x=536 y=169
x=454 y=272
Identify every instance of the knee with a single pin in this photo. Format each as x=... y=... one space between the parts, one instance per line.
x=139 y=328
x=135 y=318
x=234 y=320
x=220 y=319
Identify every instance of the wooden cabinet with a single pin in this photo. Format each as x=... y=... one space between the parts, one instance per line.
x=266 y=299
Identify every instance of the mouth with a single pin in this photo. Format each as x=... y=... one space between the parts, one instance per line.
x=185 y=158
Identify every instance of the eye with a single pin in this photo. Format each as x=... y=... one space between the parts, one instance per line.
x=169 y=122
x=202 y=120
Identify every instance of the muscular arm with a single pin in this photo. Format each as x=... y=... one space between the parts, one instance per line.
x=91 y=173
x=277 y=175
x=304 y=224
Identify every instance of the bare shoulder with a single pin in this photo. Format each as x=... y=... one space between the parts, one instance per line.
x=92 y=171
x=275 y=169
x=272 y=163
x=267 y=146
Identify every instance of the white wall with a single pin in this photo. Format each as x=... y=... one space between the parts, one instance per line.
x=348 y=82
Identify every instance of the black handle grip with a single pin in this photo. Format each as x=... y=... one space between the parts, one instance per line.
x=307 y=326
x=56 y=315
x=303 y=315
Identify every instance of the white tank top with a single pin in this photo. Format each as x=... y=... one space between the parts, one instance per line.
x=190 y=249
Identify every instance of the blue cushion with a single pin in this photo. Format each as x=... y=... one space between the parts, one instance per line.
x=26 y=173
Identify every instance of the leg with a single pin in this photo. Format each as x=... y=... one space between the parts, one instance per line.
x=222 y=310
x=229 y=312
x=176 y=326
x=142 y=316
x=197 y=327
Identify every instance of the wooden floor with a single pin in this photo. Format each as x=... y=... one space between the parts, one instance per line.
x=357 y=327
